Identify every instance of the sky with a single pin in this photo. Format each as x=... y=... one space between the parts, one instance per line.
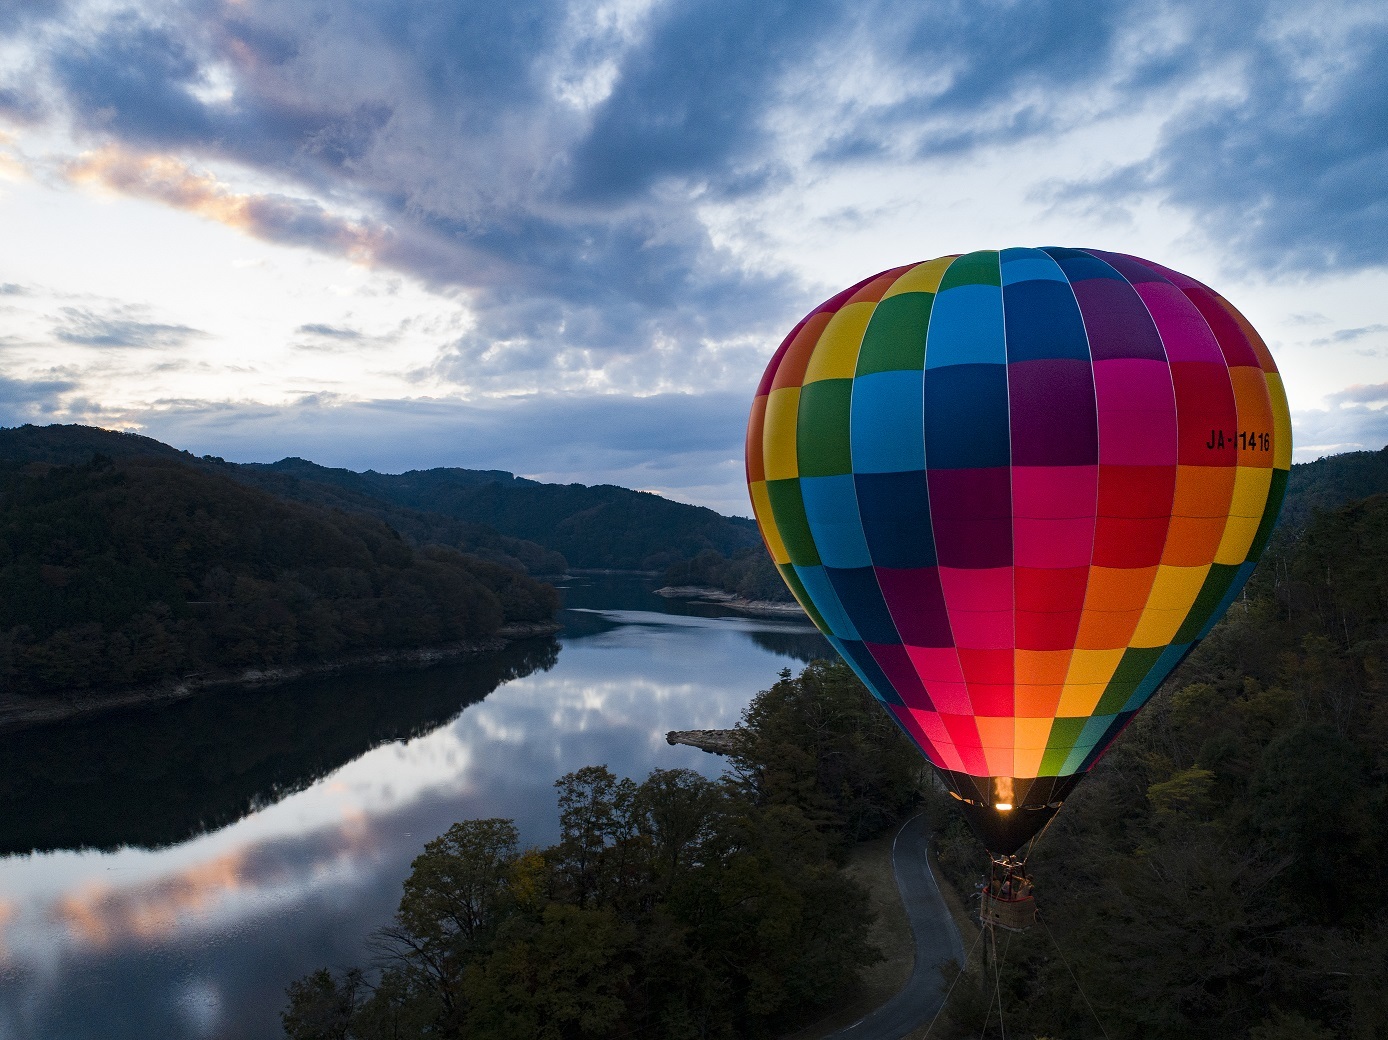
x=564 y=238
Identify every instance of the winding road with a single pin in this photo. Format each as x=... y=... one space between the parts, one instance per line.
x=937 y=939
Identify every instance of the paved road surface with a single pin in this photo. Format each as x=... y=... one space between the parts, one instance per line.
x=937 y=939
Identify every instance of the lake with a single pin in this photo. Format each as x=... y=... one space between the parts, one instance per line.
x=166 y=872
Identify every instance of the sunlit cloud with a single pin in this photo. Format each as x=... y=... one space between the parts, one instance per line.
x=13 y=165
x=9 y=910
x=102 y=914
x=272 y=218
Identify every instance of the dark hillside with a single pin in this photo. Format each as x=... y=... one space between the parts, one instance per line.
x=1330 y=482
x=120 y=573
x=416 y=526
x=540 y=528
x=597 y=526
x=75 y=445
x=340 y=489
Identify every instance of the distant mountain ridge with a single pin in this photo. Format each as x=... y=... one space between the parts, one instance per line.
x=1331 y=482
x=598 y=526
x=544 y=528
x=541 y=528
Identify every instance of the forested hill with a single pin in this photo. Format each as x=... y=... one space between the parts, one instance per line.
x=1329 y=483
x=126 y=572
x=541 y=528
x=593 y=526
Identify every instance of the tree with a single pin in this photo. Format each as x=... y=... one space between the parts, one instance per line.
x=595 y=813
x=321 y=1007
x=452 y=904
x=821 y=742
x=676 y=808
x=563 y=977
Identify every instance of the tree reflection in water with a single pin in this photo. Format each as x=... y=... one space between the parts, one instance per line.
x=160 y=775
x=799 y=646
x=196 y=857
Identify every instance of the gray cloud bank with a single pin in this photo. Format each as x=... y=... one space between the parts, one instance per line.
x=547 y=159
x=31 y=401
x=122 y=328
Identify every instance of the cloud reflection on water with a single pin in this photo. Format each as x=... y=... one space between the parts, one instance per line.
x=199 y=938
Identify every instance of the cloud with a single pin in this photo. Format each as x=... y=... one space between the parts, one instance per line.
x=120 y=328
x=14 y=165
x=1340 y=336
x=18 y=12
x=690 y=101
x=1355 y=421
x=463 y=148
x=1365 y=395
x=323 y=338
x=272 y=218
x=1284 y=167
x=328 y=331
x=949 y=80
x=23 y=401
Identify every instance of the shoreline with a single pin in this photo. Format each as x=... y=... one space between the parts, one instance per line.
x=18 y=713
x=755 y=607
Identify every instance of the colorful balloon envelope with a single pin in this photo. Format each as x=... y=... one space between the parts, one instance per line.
x=1015 y=489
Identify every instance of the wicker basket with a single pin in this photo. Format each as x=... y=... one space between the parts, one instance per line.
x=1013 y=914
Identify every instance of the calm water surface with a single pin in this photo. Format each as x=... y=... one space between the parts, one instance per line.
x=165 y=873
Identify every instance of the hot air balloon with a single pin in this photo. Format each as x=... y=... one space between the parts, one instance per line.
x=1015 y=489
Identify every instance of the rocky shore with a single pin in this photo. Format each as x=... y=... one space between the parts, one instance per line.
x=714 y=741
x=23 y=712
x=754 y=607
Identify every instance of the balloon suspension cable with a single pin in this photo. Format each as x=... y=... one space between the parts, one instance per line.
x=997 y=980
x=1031 y=845
x=1075 y=978
x=958 y=975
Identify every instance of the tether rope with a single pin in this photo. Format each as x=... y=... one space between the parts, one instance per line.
x=993 y=937
x=997 y=983
x=998 y=962
x=962 y=968
x=1083 y=995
